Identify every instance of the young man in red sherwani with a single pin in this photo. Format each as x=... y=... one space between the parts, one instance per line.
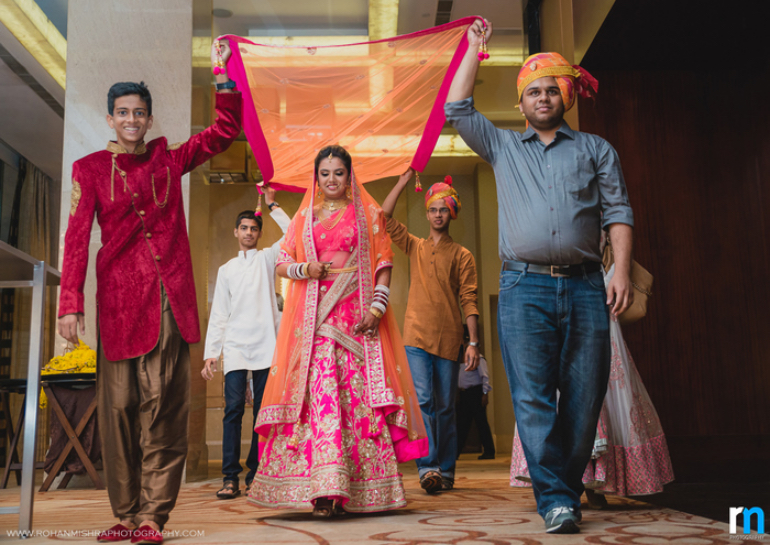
x=147 y=309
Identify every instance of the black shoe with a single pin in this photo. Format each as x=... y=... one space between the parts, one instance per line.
x=486 y=456
x=431 y=482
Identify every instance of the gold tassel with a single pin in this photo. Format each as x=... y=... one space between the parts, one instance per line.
x=258 y=210
x=417 y=184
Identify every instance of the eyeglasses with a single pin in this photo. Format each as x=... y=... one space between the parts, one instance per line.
x=441 y=211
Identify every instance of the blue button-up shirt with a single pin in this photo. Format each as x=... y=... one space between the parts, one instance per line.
x=552 y=200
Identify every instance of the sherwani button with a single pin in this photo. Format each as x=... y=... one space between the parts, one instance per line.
x=157 y=258
x=148 y=235
x=141 y=212
x=136 y=195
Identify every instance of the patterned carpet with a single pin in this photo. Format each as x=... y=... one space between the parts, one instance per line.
x=482 y=509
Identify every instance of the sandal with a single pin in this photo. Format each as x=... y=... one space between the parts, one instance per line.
x=431 y=482
x=229 y=491
x=596 y=500
x=324 y=508
x=248 y=488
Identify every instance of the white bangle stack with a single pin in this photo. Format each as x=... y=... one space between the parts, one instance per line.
x=380 y=300
x=298 y=271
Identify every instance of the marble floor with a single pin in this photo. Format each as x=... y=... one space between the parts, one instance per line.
x=482 y=509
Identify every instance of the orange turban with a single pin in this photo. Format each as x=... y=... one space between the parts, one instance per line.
x=571 y=78
x=447 y=193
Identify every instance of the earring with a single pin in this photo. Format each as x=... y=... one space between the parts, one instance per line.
x=348 y=192
x=319 y=195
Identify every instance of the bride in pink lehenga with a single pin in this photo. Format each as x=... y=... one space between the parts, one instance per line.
x=630 y=456
x=339 y=409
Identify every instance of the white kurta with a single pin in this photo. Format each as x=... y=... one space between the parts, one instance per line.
x=244 y=314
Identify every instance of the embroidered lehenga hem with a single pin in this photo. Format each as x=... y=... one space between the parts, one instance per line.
x=357 y=496
x=640 y=470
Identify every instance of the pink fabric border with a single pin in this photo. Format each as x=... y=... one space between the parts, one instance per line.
x=433 y=126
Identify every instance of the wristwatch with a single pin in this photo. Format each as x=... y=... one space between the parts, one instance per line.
x=227 y=85
x=273 y=205
x=471 y=343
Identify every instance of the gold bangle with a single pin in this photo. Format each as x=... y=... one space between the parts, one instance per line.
x=376 y=312
x=306 y=270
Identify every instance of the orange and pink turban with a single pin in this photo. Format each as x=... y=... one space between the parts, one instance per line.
x=447 y=193
x=571 y=78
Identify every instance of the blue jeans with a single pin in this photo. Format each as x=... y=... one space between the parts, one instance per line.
x=554 y=335
x=435 y=383
x=235 y=404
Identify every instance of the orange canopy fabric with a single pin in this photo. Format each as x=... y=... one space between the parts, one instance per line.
x=383 y=101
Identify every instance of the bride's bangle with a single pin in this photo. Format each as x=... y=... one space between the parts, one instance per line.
x=298 y=271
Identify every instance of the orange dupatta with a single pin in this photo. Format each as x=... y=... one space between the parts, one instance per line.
x=389 y=384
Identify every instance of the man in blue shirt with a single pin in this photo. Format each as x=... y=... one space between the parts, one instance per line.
x=557 y=188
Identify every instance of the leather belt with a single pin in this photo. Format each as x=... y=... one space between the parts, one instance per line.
x=556 y=271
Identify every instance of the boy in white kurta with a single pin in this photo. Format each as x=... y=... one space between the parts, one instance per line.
x=242 y=328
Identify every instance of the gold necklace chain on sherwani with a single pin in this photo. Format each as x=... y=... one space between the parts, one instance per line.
x=168 y=187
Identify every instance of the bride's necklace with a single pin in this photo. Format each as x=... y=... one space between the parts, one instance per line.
x=329 y=224
x=334 y=205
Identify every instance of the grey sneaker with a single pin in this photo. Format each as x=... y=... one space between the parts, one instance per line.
x=578 y=513
x=561 y=520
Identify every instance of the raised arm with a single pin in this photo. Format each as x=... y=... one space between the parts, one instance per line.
x=276 y=212
x=479 y=133
x=389 y=204
x=218 y=137
x=465 y=78
x=225 y=52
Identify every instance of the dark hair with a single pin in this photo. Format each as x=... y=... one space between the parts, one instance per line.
x=335 y=151
x=125 y=88
x=248 y=215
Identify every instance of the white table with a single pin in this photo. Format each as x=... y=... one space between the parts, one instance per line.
x=20 y=270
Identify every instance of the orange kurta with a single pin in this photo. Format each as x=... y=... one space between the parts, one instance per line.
x=443 y=279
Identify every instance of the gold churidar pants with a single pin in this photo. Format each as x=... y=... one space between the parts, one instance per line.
x=143 y=406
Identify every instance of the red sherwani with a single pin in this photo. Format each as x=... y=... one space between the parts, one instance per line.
x=138 y=202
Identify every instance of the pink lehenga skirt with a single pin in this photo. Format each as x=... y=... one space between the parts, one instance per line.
x=339 y=448
x=630 y=456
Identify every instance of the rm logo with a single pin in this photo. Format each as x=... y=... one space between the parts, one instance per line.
x=747 y=514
